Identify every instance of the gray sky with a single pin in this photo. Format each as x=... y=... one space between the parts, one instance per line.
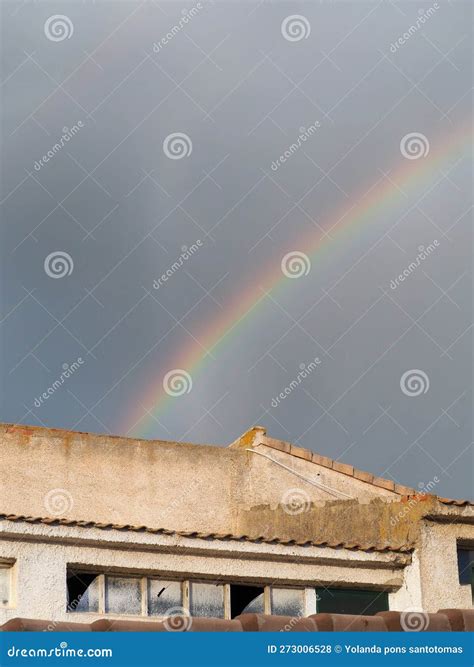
x=164 y=124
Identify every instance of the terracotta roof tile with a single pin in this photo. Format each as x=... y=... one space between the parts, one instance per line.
x=350 y=471
x=344 y=468
x=363 y=476
x=403 y=548
x=322 y=460
x=384 y=483
x=445 y=620
x=301 y=453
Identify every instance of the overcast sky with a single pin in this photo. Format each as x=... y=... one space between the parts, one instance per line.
x=163 y=127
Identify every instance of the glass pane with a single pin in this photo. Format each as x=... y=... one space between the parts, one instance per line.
x=206 y=600
x=245 y=599
x=83 y=592
x=465 y=565
x=163 y=596
x=287 y=601
x=351 y=601
x=255 y=606
x=4 y=585
x=123 y=595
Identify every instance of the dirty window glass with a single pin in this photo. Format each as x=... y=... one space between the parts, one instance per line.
x=287 y=601
x=163 y=596
x=83 y=592
x=206 y=599
x=4 y=585
x=123 y=595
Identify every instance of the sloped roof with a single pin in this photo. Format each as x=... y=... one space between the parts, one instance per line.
x=259 y=437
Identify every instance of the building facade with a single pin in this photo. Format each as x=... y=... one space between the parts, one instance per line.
x=94 y=527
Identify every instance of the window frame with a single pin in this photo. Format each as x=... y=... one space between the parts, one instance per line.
x=10 y=566
x=310 y=592
x=465 y=566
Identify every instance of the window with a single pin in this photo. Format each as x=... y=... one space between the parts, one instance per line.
x=206 y=599
x=350 y=601
x=123 y=595
x=5 y=583
x=287 y=601
x=466 y=567
x=246 y=600
x=140 y=595
x=83 y=591
x=163 y=595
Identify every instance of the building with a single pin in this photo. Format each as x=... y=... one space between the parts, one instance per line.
x=98 y=527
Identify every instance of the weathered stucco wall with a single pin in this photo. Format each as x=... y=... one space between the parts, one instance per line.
x=374 y=523
x=160 y=484
x=115 y=480
x=439 y=567
x=41 y=555
x=196 y=487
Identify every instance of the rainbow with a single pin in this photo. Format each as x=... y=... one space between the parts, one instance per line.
x=370 y=207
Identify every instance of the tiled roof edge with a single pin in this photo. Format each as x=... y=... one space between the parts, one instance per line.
x=56 y=521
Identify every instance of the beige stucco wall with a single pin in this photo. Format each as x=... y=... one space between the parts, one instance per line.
x=439 y=567
x=263 y=480
x=154 y=483
x=115 y=480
